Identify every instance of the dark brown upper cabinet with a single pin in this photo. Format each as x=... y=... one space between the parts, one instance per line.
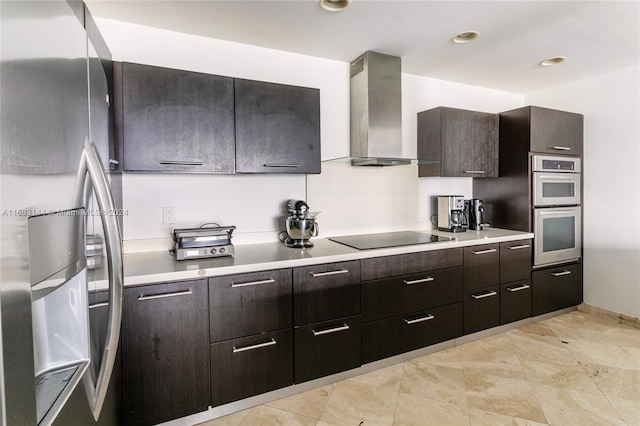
x=457 y=143
x=174 y=120
x=277 y=128
x=543 y=130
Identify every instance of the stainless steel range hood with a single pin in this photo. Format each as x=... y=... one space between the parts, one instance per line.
x=376 y=111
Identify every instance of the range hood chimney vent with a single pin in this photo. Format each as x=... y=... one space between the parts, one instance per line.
x=376 y=110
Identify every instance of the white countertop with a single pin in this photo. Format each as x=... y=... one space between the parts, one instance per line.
x=160 y=266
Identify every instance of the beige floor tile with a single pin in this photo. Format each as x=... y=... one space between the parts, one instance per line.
x=434 y=382
x=501 y=395
x=388 y=378
x=582 y=320
x=484 y=358
x=626 y=337
x=581 y=333
x=321 y=423
x=447 y=358
x=570 y=407
x=633 y=354
x=538 y=329
x=628 y=409
x=310 y=403
x=416 y=411
x=598 y=353
x=501 y=341
x=616 y=382
x=269 y=416
x=561 y=374
x=486 y=418
x=352 y=403
x=231 y=420
x=544 y=346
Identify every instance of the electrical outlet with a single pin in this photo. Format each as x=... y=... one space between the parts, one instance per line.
x=168 y=215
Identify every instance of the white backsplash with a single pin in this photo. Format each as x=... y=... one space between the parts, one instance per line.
x=253 y=203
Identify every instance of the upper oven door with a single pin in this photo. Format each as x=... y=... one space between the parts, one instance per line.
x=557 y=235
x=556 y=189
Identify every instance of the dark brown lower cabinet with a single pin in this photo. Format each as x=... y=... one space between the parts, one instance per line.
x=393 y=336
x=481 y=309
x=165 y=352
x=248 y=366
x=556 y=288
x=326 y=348
x=515 y=301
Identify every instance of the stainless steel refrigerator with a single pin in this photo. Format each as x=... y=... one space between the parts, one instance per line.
x=59 y=189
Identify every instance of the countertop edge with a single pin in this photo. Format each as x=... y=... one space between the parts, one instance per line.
x=158 y=267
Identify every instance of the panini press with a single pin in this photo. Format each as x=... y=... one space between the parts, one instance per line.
x=203 y=242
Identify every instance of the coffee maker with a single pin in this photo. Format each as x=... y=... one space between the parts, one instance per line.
x=475 y=212
x=301 y=225
x=451 y=213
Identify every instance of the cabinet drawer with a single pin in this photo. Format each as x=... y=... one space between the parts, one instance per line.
x=393 y=336
x=410 y=293
x=515 y=261
x=515 y=301
x=556 y=288
x=390 y=266
x=249 y=366
x=242 y=305
x=326 y=348
x=325 y=292
x=481 y=309
x=481 y=266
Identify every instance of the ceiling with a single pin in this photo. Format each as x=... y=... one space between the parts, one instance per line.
x=595 y=36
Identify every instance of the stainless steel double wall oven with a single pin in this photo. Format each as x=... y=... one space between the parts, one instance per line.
x=556 y=196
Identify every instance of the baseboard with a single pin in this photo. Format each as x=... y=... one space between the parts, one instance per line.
x=603 y=313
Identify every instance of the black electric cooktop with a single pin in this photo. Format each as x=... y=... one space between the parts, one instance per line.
x=388 y=239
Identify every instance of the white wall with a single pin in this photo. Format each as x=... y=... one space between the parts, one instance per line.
x=611 y=106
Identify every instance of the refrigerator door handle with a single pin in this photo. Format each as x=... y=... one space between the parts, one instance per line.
x=91 y=165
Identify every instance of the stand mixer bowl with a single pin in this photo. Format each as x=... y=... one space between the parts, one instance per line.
x=300 y=230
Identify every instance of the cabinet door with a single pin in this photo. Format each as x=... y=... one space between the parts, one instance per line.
x=326 y=348
x=481 y=266
x=515 y=261
x=410 y=293
x=175 y=120
x=557 y=132
x=250 y=366
x=460 y=143
x=325 y=292
x=277 y=128
x=242 y=305
x=165 y=351
x=481 y=309
x=556 y=288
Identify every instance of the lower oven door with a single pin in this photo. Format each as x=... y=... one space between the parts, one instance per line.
x=557 y=234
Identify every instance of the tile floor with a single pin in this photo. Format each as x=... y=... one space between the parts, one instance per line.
x=574 y=369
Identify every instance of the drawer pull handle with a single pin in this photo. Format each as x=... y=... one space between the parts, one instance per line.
x=324 y=274
x=478 y=172
x=484 y=251
x=523 y=246
x=423 y=280
x=165 y=295
x=417 y=320
x=99 y=305
x=560 y=274
x=289 y=166
x=342 y=327
x=182 y=163
x=251 y=347
x=522 y=287
x=483 y=295
x=250 y=283
x=561 y=148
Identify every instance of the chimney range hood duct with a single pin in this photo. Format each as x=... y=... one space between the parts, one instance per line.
x=376 y=111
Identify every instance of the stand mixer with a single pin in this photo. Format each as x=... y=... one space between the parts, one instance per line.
x=301 y=225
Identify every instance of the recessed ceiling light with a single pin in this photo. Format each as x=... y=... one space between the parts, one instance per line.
x=334 y=5
x=466 y=37
x=552 y=61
